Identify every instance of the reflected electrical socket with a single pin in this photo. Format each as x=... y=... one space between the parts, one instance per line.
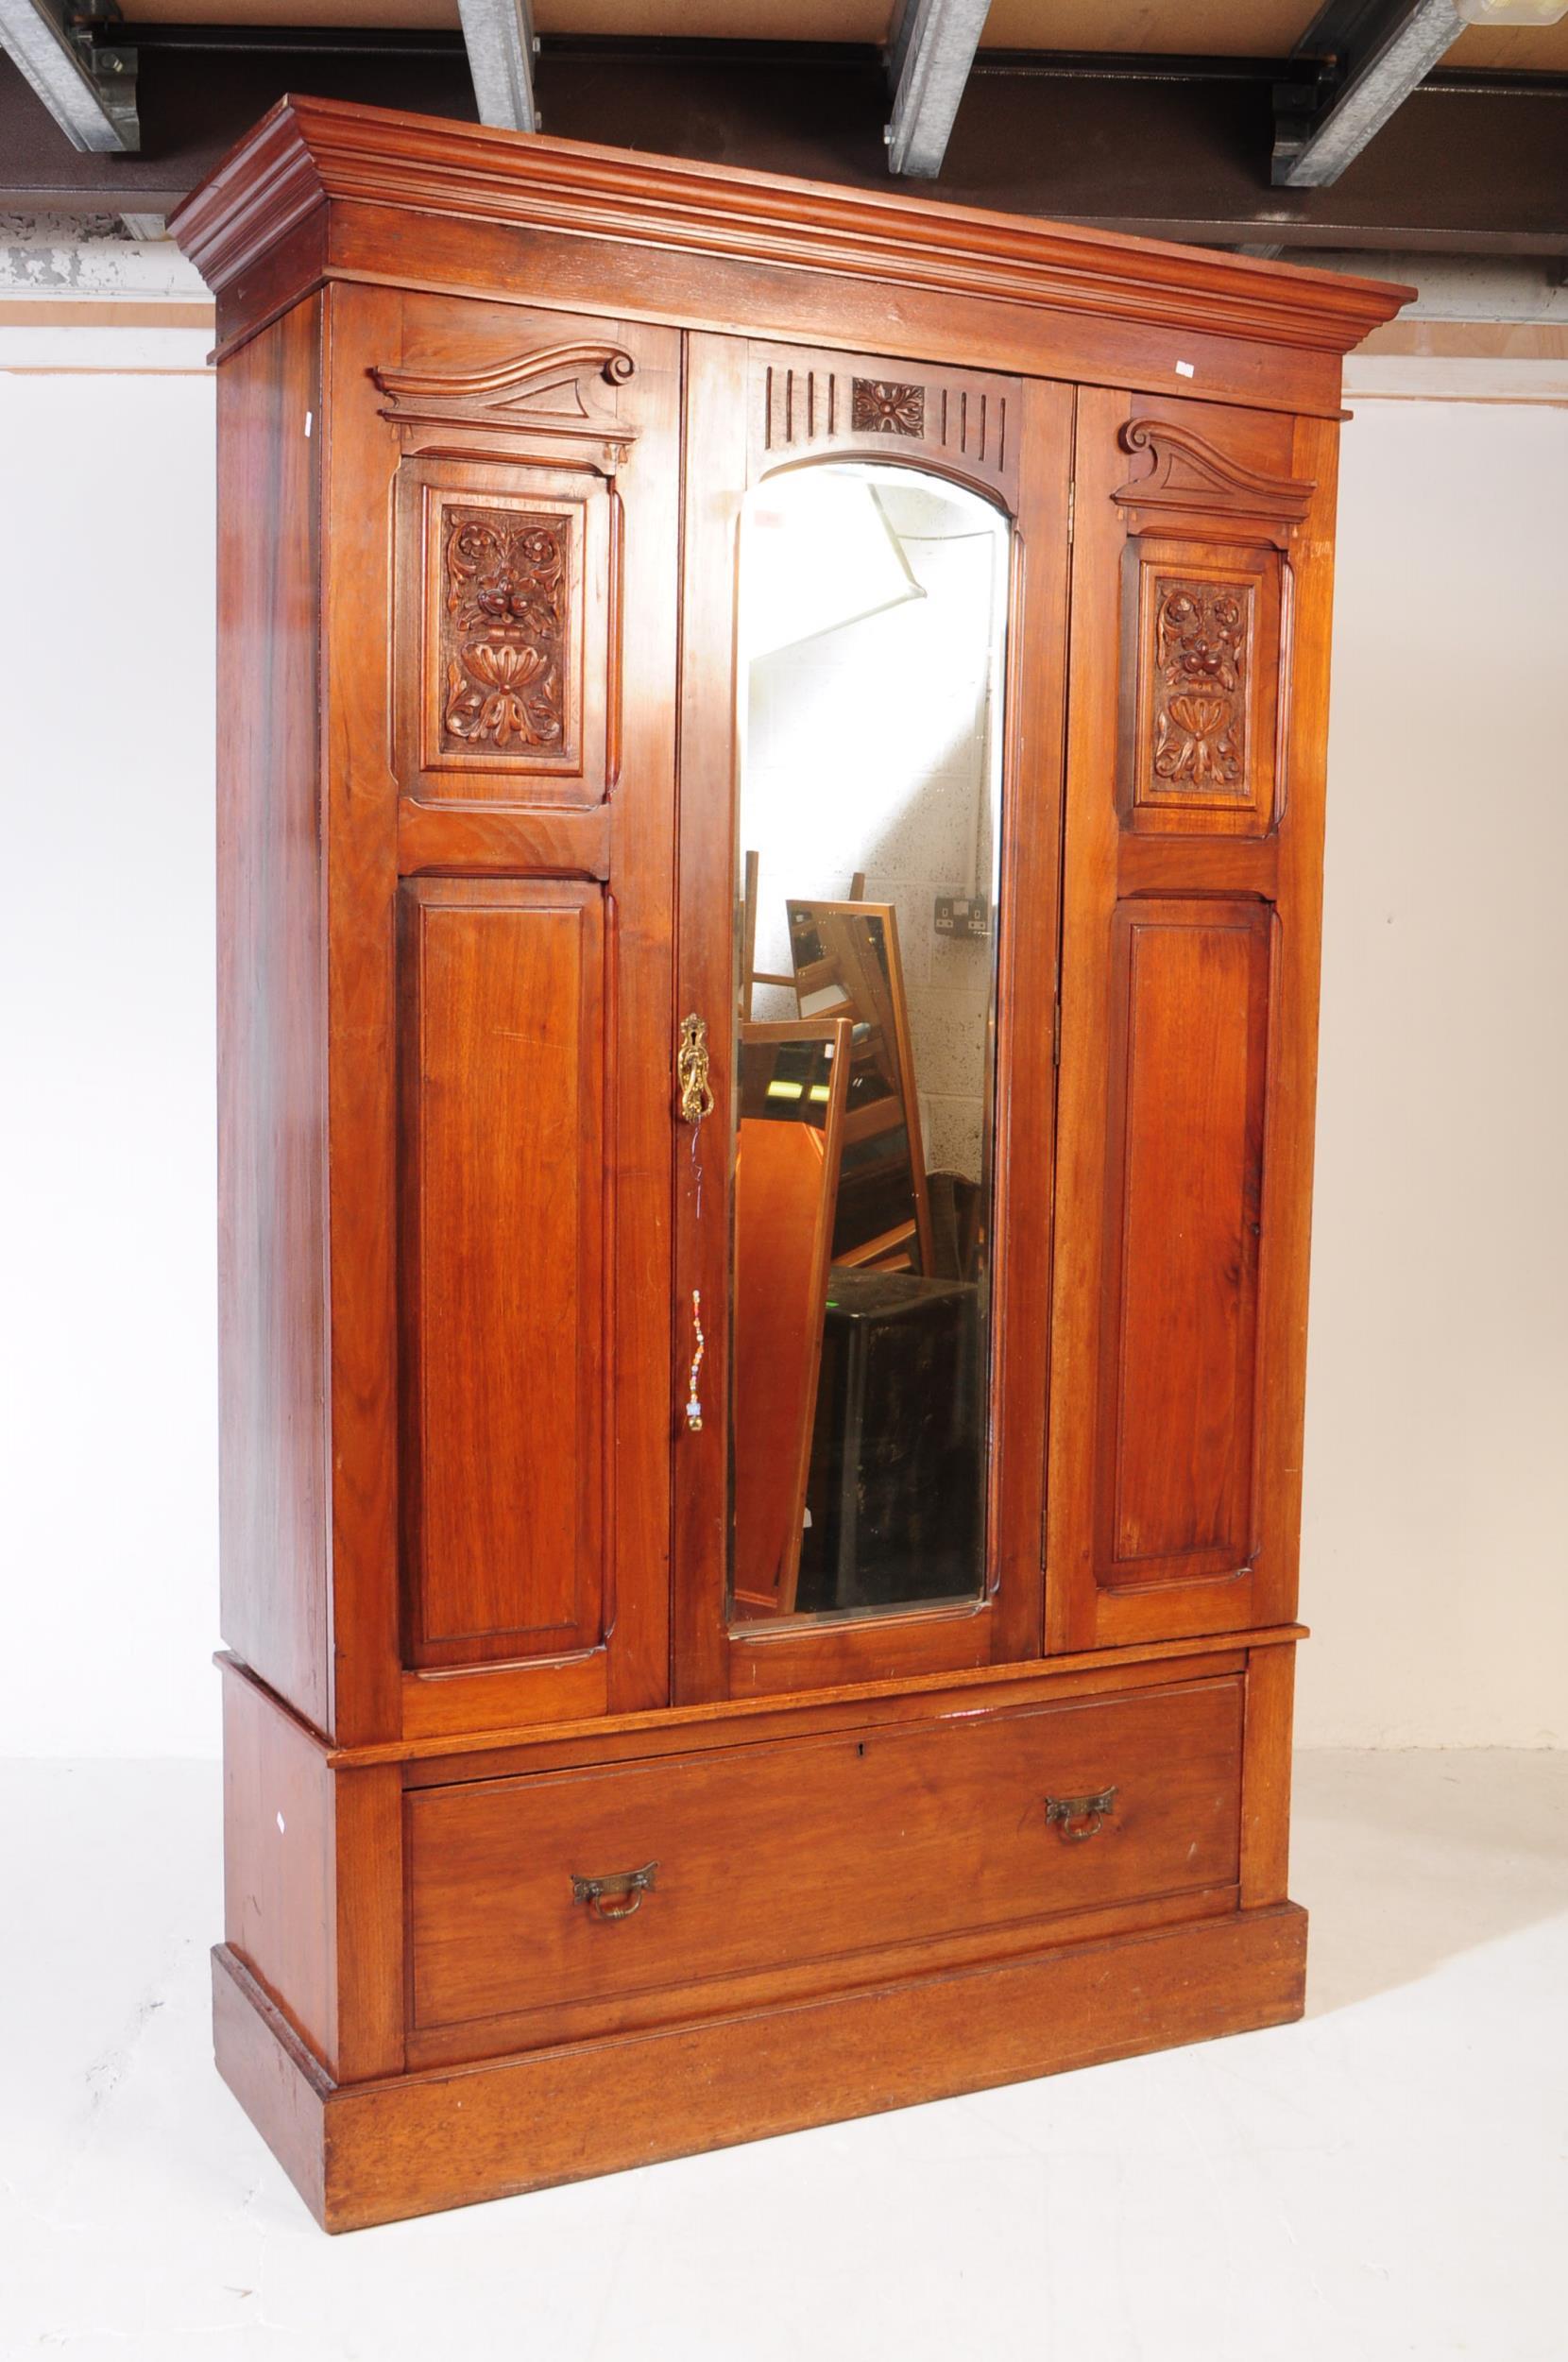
x=965 y=915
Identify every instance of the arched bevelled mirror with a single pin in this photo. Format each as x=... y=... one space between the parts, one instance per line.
x=873 y=620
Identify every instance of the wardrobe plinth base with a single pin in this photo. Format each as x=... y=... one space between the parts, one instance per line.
x=408 y=2145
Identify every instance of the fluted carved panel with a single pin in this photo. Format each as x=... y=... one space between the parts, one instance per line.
x=804 y=403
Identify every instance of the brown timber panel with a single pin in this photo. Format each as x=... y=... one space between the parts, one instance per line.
x=272 y=1062
x=279 y=1860
x=1189 y=1029
x=503 y=1285
x=1187 y=1018
x=816 y=1850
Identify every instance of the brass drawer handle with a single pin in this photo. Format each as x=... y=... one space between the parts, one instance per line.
x=618 y=1895
x=1069 y=1813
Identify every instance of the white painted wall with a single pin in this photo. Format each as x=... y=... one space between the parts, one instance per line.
x=1435 y=1568
x=107 y=1431
x=1436 y=1478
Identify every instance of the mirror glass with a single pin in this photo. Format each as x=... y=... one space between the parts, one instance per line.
x=873 y=619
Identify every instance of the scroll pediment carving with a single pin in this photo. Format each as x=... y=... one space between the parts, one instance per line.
x=1188 y=473
x=543 y=393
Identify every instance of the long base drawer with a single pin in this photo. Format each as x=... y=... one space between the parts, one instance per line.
x=575 y=1887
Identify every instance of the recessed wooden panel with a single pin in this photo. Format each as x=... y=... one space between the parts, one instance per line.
x=1200 y=662
x=782 y=1853
x=1190 y=1014
x=502 y=1190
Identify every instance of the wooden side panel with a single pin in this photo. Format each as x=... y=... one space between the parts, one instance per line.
x=313 y=1882
x=502 y=1280
x=277 y=2081
x=1189 y=1046
x=272 y=1218
x=279 y=1860
x=1188 y=1022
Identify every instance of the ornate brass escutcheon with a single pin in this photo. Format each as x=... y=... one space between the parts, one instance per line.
x=1080 y=1817
x=618 y=1895
x=696 y=1099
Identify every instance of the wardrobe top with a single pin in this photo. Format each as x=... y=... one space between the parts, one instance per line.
x=308 y=149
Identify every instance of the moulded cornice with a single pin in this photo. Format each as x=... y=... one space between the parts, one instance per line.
x=310 y=149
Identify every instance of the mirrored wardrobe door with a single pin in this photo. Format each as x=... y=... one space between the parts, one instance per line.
x=872 y=652
x=870 y=803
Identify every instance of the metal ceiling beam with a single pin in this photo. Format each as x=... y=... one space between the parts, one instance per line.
x=499 y=35
x=90 y=92
x=1387 y=47
x=929 y=61
x=1473 y=166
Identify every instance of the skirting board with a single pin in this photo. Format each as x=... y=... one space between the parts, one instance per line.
x=374 y=2152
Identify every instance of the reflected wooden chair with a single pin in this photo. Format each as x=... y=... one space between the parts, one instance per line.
x=846 y=962
x=793 y=1085
x=751 y=976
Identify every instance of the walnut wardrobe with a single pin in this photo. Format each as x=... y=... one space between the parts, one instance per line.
x=770 y=814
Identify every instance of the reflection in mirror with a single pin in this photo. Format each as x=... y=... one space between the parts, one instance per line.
x=872 y=607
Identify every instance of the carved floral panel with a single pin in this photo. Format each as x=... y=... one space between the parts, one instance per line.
x=1202 y=643
x=882 y=408
x=502 y=657
x=1201 y=679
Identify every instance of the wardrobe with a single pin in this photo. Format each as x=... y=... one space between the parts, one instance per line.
x=770 y=801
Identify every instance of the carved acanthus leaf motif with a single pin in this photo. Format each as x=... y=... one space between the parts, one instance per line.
x=1202 y=636
x=1188 y=473
x=544 y=392
x=504 y=630
x=878 y=407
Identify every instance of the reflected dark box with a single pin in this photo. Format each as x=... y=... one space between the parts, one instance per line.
x=896 y=1485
